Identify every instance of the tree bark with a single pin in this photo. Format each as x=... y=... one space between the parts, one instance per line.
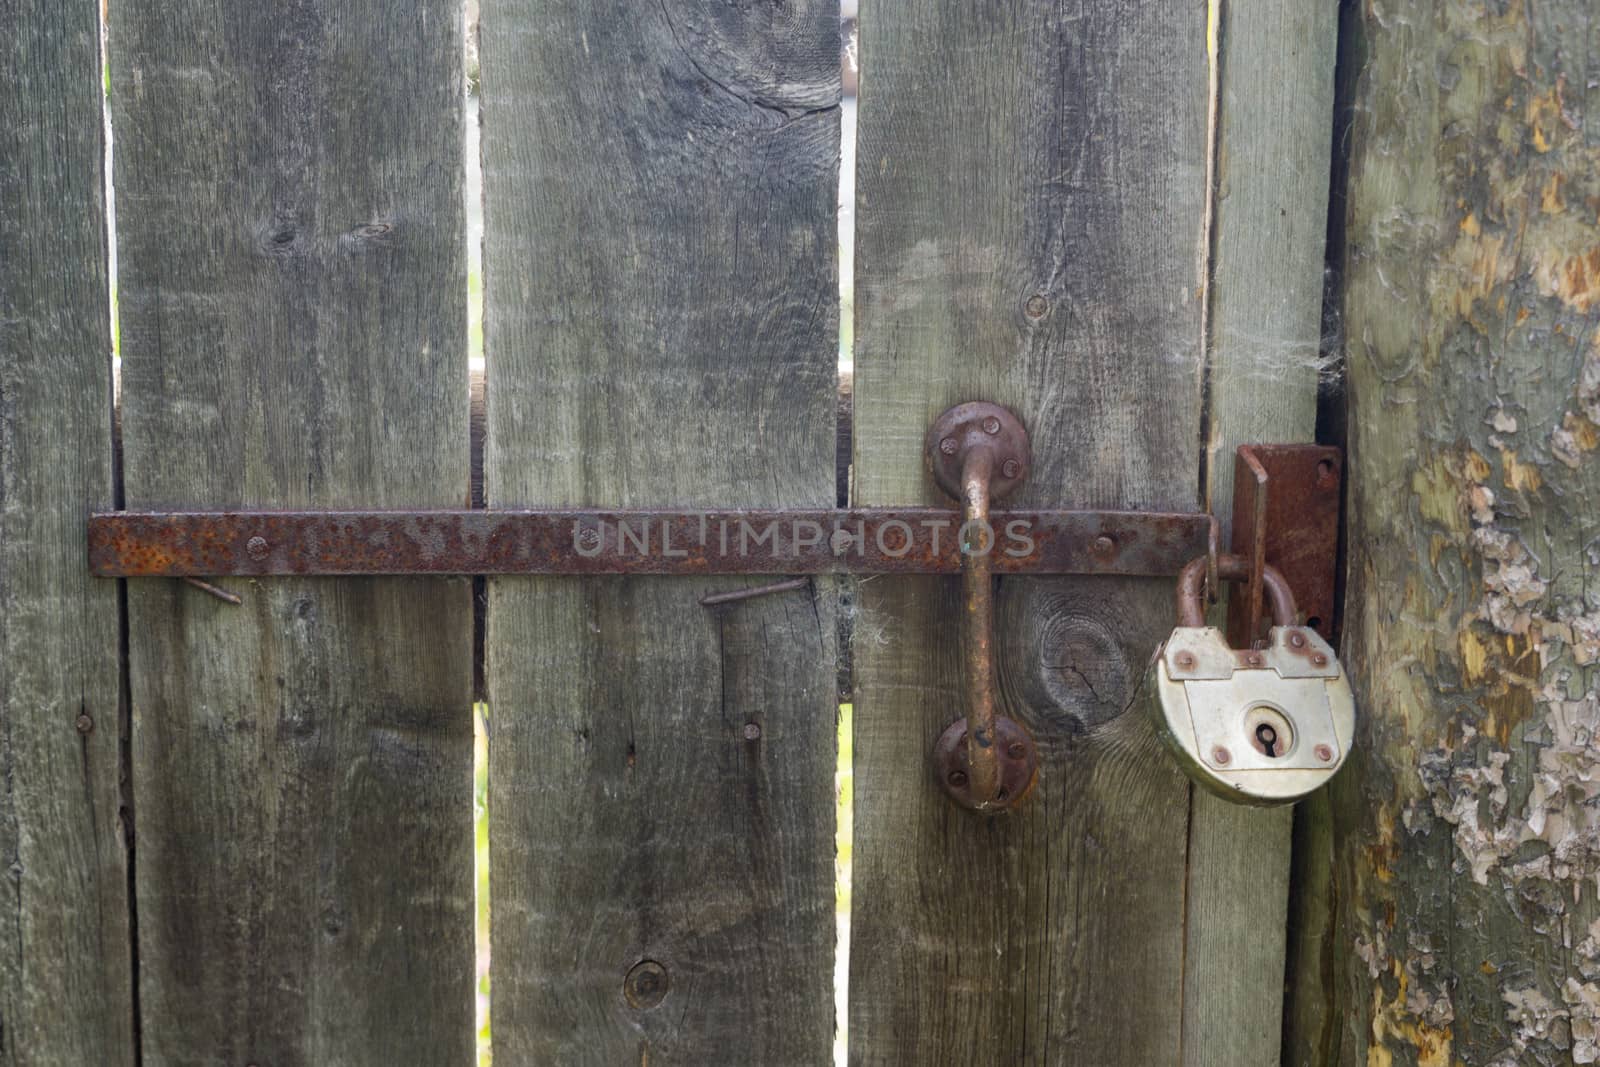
x=1464 y=842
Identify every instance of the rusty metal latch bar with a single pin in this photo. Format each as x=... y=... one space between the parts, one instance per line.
x=209 y=544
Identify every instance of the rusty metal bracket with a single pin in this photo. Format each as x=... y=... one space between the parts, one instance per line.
x=1286 y=514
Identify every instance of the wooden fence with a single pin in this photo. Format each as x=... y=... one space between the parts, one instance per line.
x=243 y=834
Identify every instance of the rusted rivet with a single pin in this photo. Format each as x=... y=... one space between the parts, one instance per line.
x=1221 y=756
x=1324 y=753
x=1036 y=307
x=1104 y=546
x=1017 y=750
x=1184 y=660
x=84 y=724
x=589 y=538
x=1297 y=639
x=1011 y=468
x=1319 y=660
x=646 y=984
x=958 y=778
x=991 y=425
x=257 y=548
x=949 y=445
x=752 y=731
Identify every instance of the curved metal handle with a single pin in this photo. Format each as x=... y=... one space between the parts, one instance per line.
x=978 y=452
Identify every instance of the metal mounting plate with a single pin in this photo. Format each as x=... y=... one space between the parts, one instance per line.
x=1286 y=513
x=979 y=424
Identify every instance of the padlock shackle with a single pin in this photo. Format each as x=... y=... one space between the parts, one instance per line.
x=1231 y=568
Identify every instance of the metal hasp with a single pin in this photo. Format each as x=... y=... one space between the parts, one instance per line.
x=1286 y=513
x=978 y=452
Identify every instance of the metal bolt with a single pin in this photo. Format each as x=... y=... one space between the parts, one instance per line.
x=1297 y=639
x=752 y=731
x=1104 y=546
x=1036 y=307
x=589 y=538
x=1185 y=660
x=646 y=984
x=1254 y=659
x=1320 y=660
x=257 y=548
x=958 y=778
x=1324 y=753
x=1222 y=756
x=949 y=445
x=1017 y=750
x=1011 y=468
x=991 y=425
x=84 y=724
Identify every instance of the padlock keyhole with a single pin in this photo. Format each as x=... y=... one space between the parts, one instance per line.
x=1269 y=732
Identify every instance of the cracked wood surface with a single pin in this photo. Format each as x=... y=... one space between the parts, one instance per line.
x=293 y=309
x=661 y=307
x=65 y=958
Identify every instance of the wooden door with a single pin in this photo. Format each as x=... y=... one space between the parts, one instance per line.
x=244 y=833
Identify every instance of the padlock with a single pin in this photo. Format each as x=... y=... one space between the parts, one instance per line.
x=1254 y=726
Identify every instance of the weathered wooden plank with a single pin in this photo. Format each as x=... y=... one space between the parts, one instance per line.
x=1274 y=136
x=1030 y=218
x=66 y=967
x=662 y=322
x=293 y=301
x=1464 y=837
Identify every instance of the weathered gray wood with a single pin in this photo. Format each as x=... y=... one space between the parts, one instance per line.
x=1031 y=200
x=662 y=322
x=65 y=965
x=1465 y=840
x=293 y=302
x=1274 y=135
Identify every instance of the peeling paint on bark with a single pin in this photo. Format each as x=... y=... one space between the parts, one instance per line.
x=1466 y=838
